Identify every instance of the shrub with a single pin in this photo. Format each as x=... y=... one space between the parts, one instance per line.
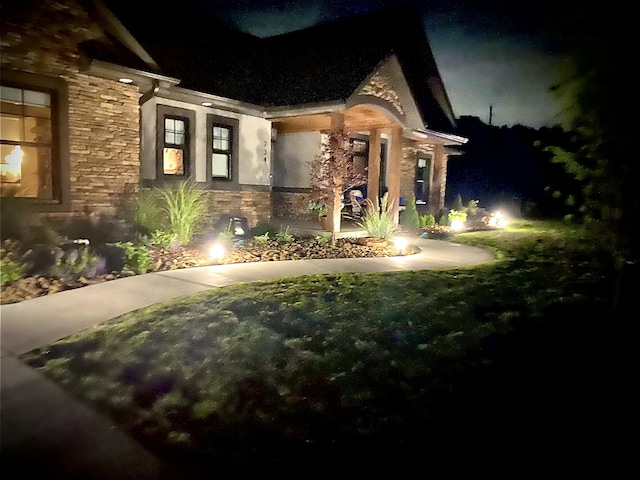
x=11 y=268
x=186 y=207
x=137 y=257
x=264 y=227
x=147 y=213
x=173 y=213
x=262 y=238
x=457 y=215
x=322 y=239
x=410 y=218
x=427 y=220
x=76 y=259
x=284 y=237
x=378 y=219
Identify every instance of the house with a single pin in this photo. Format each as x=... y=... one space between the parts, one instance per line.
x=100 y=99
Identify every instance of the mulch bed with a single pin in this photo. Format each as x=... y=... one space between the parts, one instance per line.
x=197 y=256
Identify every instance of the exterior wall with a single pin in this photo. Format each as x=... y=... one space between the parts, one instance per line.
x=408 y=172
x=255 y=206
x=293 y=153
x=292 y=204
x=408 y=169
x=103 y=116
x=254 y=135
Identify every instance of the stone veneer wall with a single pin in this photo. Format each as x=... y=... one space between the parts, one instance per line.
x=292 y=204
x=103 y=141
x=254 y=205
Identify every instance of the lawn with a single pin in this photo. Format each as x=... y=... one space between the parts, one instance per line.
x=360 y=373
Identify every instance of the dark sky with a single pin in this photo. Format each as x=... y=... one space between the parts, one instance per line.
x=499 y=53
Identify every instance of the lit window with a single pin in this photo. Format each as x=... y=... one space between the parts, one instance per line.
x=174 y=150
x=27 y=162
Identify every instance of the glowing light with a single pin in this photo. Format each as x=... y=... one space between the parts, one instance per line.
x=206 y=104
x=11 y=167
x=497 y=220
x=217 y=251
x=457 y=225
x=401 y=244
x=125 y=80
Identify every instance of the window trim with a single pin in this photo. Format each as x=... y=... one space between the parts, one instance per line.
x=221 y=183
x=59 y=91
x=166 y=111
x=428 y=181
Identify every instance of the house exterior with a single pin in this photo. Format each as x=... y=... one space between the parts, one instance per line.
x=96 y=105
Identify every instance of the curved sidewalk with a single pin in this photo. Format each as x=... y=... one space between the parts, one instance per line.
x=44 y=431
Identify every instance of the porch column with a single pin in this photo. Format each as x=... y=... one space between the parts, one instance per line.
x=373 y=169
x=438 y=185
x=337 y=124
x=395 y=161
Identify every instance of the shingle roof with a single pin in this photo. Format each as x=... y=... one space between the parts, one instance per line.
x=322 y=63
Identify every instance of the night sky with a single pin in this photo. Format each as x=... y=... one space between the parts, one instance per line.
x=491 y=53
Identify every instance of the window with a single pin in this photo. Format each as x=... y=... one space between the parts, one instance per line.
x=29 y=163
x=360 y=154
x=222 y=147
x=423 y=178
x=175 y=143
x=221 y=151
x=174 y=153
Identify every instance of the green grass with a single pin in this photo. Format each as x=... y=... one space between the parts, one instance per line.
x=300 y=376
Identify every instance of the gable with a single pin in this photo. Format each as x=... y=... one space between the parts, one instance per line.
x=388 y=88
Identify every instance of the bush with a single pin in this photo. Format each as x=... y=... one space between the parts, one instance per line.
x=176 y=211
x=186 y=206
x=427 y=220
x=137 y=257
x=410 y=218
x=76 y=259
x=378 y=219
x=264 y=227
x=11 y=268
x=284 y=237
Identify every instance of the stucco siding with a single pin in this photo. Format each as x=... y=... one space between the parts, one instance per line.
x=293 y=155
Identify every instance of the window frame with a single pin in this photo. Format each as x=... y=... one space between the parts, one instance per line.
x=189 y=117
x=58 y=90
x=230 y=182
x=427 y=179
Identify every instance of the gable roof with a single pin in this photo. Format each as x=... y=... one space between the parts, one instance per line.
x=323 y=63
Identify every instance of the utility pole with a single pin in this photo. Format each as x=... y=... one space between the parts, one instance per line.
x=490 y=114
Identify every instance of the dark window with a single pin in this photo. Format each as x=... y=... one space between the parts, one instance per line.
x=30 y=161
x=423 y=178
x=221 y=151
x=223 y=148
x=360 y=154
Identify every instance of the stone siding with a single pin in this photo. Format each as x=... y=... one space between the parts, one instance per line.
x=292 y=205
x=254 y=205
x=103 y=138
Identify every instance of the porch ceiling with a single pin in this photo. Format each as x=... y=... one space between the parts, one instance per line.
x=358 y=118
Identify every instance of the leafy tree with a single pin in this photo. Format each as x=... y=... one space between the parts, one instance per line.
x=333 y=173
x=601 y=155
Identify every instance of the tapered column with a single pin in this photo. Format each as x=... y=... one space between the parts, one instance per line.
x=337 y=124
x=373 y=168
x=437 y=195
x=395 y=161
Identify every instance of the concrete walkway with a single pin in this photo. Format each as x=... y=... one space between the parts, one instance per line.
x=46 y=432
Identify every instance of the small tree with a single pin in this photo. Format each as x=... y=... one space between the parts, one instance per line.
x=333 y=173
x=410 y=218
